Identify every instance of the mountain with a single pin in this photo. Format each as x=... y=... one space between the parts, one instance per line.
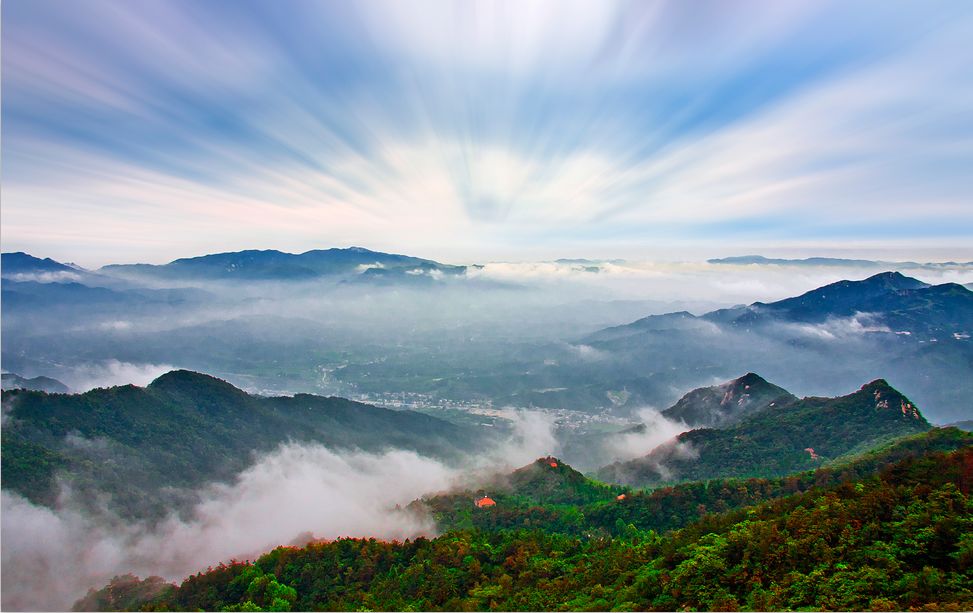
x=887 y=302
x=818 y=261
x=21 y=265
x=888 y=325
x=729 y=402
x=893 y=537
x=713 y=406
x=668 y=322
x=894 y=301
x=778 y=440
x=842 y=298
x=12 y=381
x=145 y=445
x=277 y=265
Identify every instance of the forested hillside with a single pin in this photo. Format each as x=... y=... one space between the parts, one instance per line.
x=148 y=447
x=898 y=537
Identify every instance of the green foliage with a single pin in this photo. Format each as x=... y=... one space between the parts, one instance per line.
x=595 y=508
x=183 y=430
x=898 y=538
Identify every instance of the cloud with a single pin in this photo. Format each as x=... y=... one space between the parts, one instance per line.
x=587 y=353
x=108 y=373
x=655 y=430
x=50 y=557
x=533 y=436
x=516 y=127
x=61 y=276
x=838 y=328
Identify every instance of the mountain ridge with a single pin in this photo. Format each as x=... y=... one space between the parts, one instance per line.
x=183 y=430
x=777 y=440
x=272 y=264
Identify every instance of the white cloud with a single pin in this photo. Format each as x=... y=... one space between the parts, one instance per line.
x=656 y=430
x=50 y=557
x=108 y=373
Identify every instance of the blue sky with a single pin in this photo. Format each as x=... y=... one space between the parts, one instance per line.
x=146 y=131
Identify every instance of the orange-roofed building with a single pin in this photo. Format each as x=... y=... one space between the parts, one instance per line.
x=486 y=501
x=620 y=497
x=553 y=464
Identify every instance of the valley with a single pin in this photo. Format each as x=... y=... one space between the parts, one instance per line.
x=655 y=435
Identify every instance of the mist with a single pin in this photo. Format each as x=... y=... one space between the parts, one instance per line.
x=504 y=333
x=655 y=429
x=51 y=557
x=109 y=373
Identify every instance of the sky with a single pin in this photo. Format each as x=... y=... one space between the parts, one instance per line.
x=473 y=131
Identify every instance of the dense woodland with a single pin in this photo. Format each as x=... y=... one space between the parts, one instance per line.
x=891 y=530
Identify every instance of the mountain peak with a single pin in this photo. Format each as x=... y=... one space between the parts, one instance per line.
x=893 y=279
x=728 y=402
x=751 y=378
x=16 y=262
x=195 y=384
x=877 y=384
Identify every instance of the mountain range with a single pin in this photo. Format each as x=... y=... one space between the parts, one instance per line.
x=821 y=261
x=915 y=335
x=280 y=266
x=887 y=325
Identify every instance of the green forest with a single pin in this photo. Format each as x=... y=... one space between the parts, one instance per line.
x=891 y=529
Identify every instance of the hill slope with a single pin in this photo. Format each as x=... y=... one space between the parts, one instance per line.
x=568 y=502
x=183 y=430
x=851 y=546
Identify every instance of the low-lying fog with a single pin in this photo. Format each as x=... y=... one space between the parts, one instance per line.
x=50 y=557
x=303 y=336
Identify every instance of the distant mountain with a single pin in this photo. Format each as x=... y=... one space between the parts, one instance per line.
x=13 y=381
x=19 y=265
x=889 y=325
x=890 y=299
x=729 y=402
x=145 y=446
x=761 y=260
x=271 y=265
x=71 y=295
x=681 y=320
x=778 y=440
